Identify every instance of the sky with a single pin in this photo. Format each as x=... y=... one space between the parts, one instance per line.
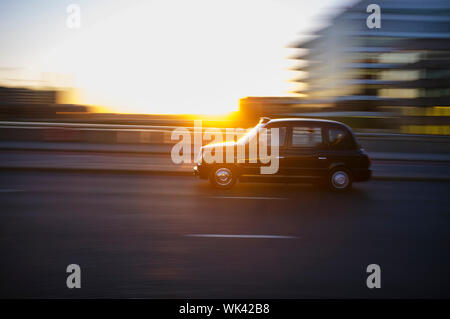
x=161 y=56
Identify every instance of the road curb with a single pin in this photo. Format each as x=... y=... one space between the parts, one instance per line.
x=411 y=178
x=99 y=171
x=166 y=153
x=374 y=159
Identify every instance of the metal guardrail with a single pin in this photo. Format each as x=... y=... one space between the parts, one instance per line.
x=156 y=128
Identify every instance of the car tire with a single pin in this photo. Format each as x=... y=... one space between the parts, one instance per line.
x=340 y=180
x=223 y=176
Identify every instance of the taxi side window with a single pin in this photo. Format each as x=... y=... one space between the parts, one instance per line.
x=339 y=138
x=308 y=137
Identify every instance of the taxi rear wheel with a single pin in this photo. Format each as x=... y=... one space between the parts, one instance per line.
x=340 y=179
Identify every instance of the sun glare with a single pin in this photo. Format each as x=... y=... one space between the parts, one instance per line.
x=159 y=58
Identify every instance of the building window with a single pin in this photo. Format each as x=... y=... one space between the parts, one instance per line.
x=399 y=75
x=399 y=93
x=399 y=57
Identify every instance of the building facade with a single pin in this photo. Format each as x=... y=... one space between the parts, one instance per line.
x=405 y=62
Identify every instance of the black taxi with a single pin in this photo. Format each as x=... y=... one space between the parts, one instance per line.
x=309 y=150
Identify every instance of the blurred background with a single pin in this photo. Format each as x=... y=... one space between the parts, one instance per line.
x=160 y=62
x=157 y=65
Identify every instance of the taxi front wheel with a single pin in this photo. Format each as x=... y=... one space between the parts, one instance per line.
x=223 y=177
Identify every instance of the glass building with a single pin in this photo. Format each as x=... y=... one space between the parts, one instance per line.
x=404 y=63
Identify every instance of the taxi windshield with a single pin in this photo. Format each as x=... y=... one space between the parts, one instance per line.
x=250 y=134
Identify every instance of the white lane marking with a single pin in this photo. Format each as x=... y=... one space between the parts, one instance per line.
x=241 y=236
x=247 y=197
x=10 y=190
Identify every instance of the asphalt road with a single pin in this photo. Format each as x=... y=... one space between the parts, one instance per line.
x=174 y=237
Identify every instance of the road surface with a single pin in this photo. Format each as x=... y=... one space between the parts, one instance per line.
x=174 y=237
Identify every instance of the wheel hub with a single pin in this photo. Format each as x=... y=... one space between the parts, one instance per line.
x=223 y=176
x=340 y=179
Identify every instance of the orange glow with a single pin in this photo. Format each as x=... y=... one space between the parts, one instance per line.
x=151 y=58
